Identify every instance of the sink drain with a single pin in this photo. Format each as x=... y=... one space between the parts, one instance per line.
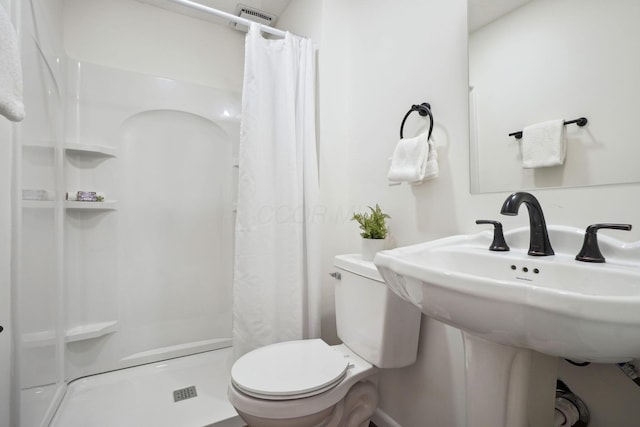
x=184 y=393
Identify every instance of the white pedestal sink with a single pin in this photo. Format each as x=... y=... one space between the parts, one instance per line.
x=520 y=313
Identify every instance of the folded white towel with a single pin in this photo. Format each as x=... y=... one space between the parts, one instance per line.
x=431 y=169
x=11 y=104
x=409 y=160
x=543 y=144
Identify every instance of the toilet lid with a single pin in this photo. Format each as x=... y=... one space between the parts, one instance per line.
x=289 y=370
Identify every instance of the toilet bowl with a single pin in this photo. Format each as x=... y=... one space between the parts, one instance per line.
x=302 y=385
x=310 y=383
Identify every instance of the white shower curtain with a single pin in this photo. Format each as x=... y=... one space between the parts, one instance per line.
x=276 y=293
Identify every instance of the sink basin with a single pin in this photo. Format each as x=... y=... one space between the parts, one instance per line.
x=554 y=305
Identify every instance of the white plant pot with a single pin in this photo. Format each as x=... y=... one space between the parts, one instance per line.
x=371 y=246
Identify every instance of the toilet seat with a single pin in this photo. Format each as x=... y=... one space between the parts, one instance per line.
x=289 y=370
x=358 y=370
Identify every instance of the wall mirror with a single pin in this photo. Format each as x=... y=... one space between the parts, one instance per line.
x=538 y=60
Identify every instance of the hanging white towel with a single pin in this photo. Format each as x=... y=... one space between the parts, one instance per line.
x=11 y=104
x=414 y=160
x=431 y=170
x=543 y=144
x=409 y=160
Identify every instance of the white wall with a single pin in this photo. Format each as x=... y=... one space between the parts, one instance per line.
x=303 y=18
x=578 y=66
x=37 y=287
x=139 y=37
x=5 y=271
x=378 y=58
x=5 y=261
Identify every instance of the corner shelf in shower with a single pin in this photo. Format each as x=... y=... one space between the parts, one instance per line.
x=90 y=331
x=100 y=150
x=107 y=205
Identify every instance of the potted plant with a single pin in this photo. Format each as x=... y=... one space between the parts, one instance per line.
x=374 y=231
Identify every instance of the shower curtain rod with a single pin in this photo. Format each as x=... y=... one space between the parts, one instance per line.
x=234 y=18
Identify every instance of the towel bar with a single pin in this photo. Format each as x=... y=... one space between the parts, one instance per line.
x=582 y=121
x=423 y=109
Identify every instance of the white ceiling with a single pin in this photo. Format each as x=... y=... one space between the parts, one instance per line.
x=481 y=12
x=275 y=7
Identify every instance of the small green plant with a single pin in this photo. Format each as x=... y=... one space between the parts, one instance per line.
x=373 y=226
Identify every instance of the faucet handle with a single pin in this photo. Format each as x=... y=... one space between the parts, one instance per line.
x=498 y=244
x=590 y=251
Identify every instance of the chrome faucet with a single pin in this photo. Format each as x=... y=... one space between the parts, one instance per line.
x=539 y=244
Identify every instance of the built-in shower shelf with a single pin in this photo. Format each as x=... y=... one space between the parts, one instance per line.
x=107 y=205
x=101 y=150
x=90 y=331
x=78 y=333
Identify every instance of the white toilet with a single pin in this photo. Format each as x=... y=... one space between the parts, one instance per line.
x=309 y=383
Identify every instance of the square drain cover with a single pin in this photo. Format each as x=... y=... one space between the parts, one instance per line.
x=184 y=393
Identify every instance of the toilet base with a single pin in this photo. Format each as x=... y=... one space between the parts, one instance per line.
x=312 y=420
x=354 y=410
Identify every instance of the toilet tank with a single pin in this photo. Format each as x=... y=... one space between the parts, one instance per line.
x=372 y=321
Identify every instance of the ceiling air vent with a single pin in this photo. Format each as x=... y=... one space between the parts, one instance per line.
x=252 y=14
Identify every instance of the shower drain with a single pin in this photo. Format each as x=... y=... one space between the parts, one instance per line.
x=184 y=393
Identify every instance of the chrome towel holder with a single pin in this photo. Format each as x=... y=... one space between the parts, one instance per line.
x=424 y=110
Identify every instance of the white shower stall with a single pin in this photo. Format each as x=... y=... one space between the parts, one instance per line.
x=144 y=275
x=147 y=271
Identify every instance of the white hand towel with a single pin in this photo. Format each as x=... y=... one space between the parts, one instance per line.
x=409 y=160
x=431 y=169
x=11 y=104
x=543 y=144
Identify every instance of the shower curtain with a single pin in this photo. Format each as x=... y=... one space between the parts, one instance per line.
x=276 y=295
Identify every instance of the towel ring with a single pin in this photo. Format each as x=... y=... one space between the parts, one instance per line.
x=423 y=109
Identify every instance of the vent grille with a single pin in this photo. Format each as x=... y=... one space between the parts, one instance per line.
x=253 y=14
x=184 y=393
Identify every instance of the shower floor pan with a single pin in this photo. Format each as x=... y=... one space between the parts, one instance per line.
x=189 y=391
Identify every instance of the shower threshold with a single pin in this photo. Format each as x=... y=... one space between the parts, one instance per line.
x=146 y=395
